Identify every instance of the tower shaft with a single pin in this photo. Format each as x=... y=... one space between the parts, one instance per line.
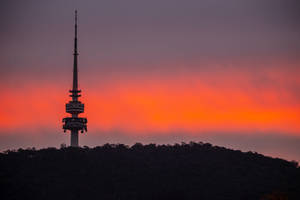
x=74 y=138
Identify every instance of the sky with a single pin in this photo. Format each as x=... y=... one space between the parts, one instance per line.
x=159 y=71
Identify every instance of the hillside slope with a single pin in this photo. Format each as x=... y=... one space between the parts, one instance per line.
x=185 y=171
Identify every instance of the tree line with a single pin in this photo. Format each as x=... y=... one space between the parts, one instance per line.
x=142 y=172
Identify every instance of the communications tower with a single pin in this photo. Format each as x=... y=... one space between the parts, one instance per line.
x=75 y=107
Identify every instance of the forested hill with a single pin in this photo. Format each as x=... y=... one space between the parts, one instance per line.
x=117 y=172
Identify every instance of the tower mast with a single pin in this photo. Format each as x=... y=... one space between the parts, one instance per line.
x=75 y=71
x=75 y=107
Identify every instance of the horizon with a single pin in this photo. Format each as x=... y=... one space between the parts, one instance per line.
x=159 y=72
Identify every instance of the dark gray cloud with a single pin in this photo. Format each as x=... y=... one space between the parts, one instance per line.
x=36 y=36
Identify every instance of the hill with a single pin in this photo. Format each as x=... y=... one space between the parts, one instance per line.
x=180 y=171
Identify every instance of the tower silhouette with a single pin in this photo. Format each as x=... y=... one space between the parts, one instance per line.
x=75 y=107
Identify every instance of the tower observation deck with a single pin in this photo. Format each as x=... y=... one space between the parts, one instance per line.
x=75 y=107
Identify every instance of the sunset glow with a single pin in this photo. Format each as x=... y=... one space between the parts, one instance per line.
x=174 y=104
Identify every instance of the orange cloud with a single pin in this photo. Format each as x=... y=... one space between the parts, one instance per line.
x=189 y=104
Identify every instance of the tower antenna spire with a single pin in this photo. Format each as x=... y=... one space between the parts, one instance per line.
x=75 y=107
x=75 y=70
